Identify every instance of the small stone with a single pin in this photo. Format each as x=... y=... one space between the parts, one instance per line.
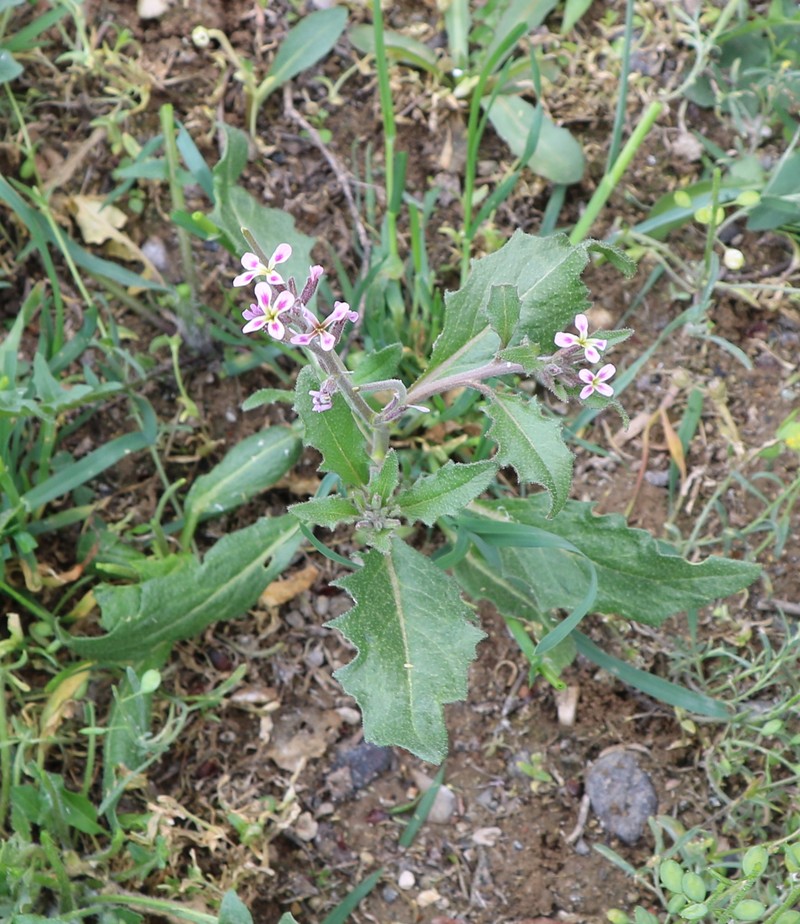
x=389 y=894
x=444 y=802
x=622 y=795
x=152 y=9
x=356 y=768
x=406 y=880
x=428 y=897
x=305 y=827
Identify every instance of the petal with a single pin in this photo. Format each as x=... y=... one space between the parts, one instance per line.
x=606 y=372
x=302 y=339
x=326 y=340
x=254 y=325
x=244 y=279
x=275 y=278
x=586 y=375
x=599 y=342
x=281 y=255
x=263 y=295
x=602 y=389
x=591 y=354
x=251 y=262
x=252 y=312
x=339 y=313
x=276 y=329
x=565 y=340
x=315 y=272
x=587 y=392
x=310 y=317
x=284 y=301
x=581 y=324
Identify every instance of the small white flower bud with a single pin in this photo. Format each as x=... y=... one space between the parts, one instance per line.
x=733 y=258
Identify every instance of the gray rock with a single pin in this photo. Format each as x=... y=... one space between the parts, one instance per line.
x=357 y=768
x=622 y=795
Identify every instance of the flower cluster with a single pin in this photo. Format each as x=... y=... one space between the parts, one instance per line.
x=592 y=347
x=281 y=310
x=284 y=312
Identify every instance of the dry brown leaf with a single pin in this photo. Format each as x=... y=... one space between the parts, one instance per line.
x=300 y=735
x=286 y=589
x=99 y=224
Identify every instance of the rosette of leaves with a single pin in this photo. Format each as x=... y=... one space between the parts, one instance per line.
x=533 y=557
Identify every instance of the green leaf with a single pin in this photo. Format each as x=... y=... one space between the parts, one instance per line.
x=558 y=156
x=326 y=511
x=230 y=166
x=638 y=577
x=532 y=444
x=503 y=312
x=193 y=595
x=264 y=396
x=308 y=42
x=334 y=433
x=288 y=918
x=236 y=209
x=546 y=273
x=445 y=492
x=252 y=466
x=380 y=365
x=85 y=469
x=10 y=68
x=399 y=47
x=573 y=10
x=531 y=12
x=384 y=481
x=233 y=910
x=415 y=640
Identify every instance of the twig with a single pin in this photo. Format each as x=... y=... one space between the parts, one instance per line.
x=341 y=174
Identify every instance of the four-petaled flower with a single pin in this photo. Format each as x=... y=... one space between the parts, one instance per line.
x=316 y=328
x=320 y=401
x=265 y=313
x=254 y=267
x=591 y=345
x=596 y=381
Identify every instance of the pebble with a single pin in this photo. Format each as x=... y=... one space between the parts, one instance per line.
x=428 y=897
x=389 y=894
x=622 y=795
x=444 y=802
x=356 y=768
x=406 y=880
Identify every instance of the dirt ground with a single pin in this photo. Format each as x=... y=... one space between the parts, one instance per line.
x=284 y=753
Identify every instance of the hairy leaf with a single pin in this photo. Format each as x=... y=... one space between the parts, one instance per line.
x=638 y=577
x=503 y=311
x=546 y=273
x=415 y=641
x=531 y=443
x=193 y=594
x=326 y=511
x=334 y=432
x=253 y=465
x=445 y=492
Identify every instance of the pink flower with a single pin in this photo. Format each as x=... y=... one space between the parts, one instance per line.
x=254 y=267
x=316 y=328
x=320 y=401
x=265 y=314
x=591 y=345
x=596 y=381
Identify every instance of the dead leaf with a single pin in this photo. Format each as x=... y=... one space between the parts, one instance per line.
x=300 y=735
x=99 y=223
x=286 y=589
